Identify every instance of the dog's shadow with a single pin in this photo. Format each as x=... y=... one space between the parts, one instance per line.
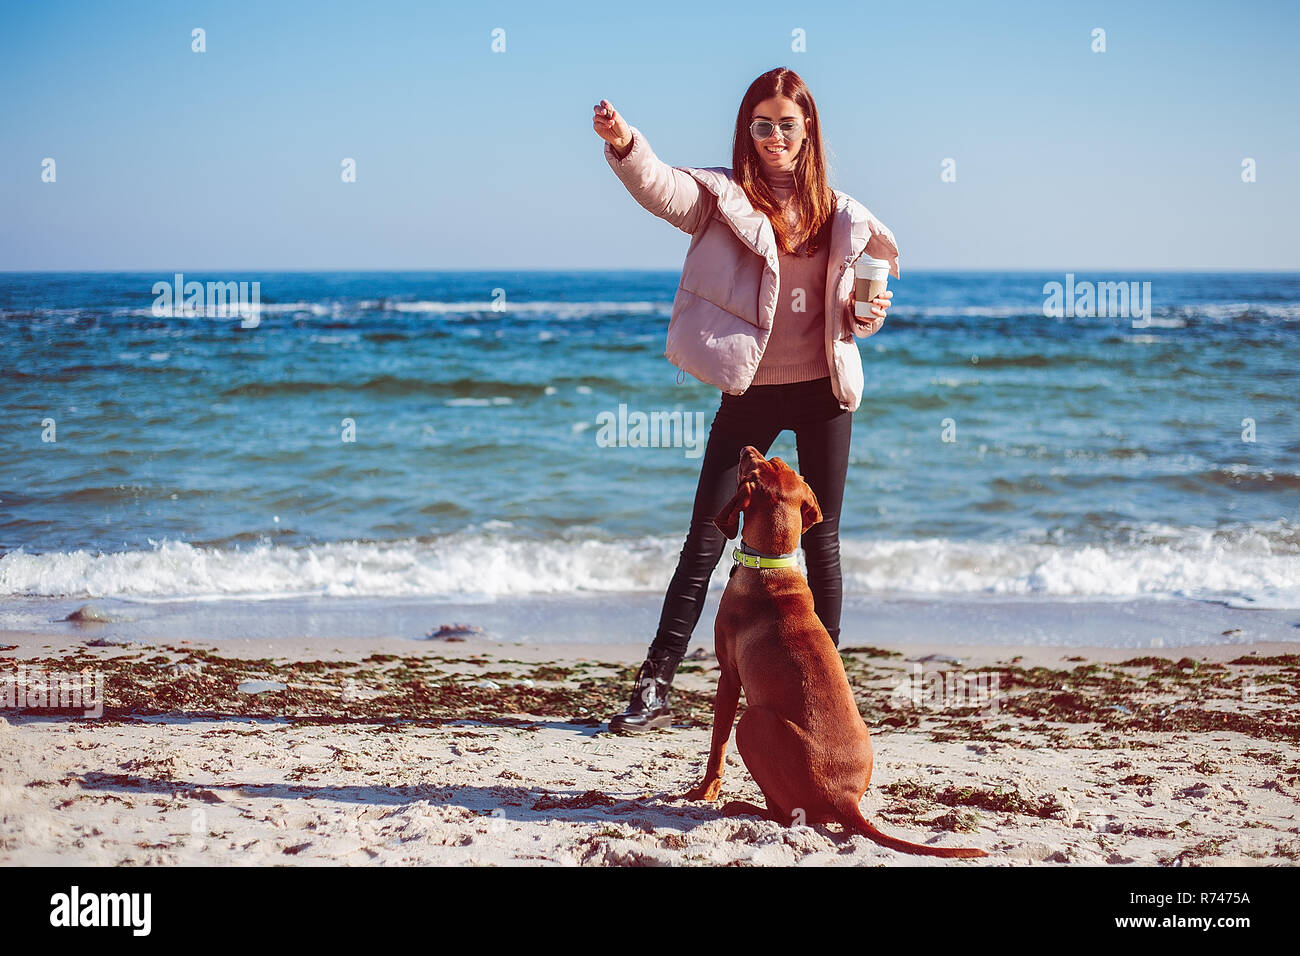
x=508 y=803
x=522 y=804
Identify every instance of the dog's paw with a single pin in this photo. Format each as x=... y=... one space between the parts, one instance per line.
x=743 y=808
x=708 y=790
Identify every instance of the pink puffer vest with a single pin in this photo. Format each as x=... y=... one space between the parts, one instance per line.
x=726 y=300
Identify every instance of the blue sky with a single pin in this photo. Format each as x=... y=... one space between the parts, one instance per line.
x=230 y=159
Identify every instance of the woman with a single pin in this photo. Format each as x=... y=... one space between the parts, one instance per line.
x=765 y=312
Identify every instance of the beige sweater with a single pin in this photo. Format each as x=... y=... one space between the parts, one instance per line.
x=796 y=352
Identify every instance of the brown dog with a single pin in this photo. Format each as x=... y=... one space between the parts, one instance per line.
x=801 y=736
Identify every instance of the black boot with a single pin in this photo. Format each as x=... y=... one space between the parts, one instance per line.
x=649 y=707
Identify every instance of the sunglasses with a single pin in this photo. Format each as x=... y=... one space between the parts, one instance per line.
x=762 y=129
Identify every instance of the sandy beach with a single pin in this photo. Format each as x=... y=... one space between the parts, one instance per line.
x=484 y=752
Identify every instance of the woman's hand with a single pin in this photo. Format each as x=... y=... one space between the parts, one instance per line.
x=878 y=305
x=611 y=127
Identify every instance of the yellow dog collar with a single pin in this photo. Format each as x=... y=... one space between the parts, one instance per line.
x=759 y=561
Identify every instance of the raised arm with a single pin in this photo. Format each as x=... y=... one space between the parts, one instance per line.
x=670 y=193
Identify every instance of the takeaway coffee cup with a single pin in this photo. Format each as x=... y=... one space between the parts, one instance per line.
x=870 y=277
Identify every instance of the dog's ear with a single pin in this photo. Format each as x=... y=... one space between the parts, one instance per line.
x=811 y=510
x=728 y=519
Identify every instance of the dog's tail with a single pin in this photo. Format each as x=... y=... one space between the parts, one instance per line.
x=852 y=819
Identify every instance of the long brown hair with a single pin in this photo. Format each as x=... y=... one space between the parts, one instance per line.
x=812 y=197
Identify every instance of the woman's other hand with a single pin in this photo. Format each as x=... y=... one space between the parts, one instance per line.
x=878 y=305
x=611 y=127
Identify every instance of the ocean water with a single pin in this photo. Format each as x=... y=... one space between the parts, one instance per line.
x=438 y=436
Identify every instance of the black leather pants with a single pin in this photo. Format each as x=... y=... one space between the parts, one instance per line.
x=822 y=430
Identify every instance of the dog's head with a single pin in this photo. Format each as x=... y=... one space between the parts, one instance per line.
x=777 y=503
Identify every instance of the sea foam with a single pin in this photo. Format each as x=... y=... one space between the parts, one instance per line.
x=1243 y=569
